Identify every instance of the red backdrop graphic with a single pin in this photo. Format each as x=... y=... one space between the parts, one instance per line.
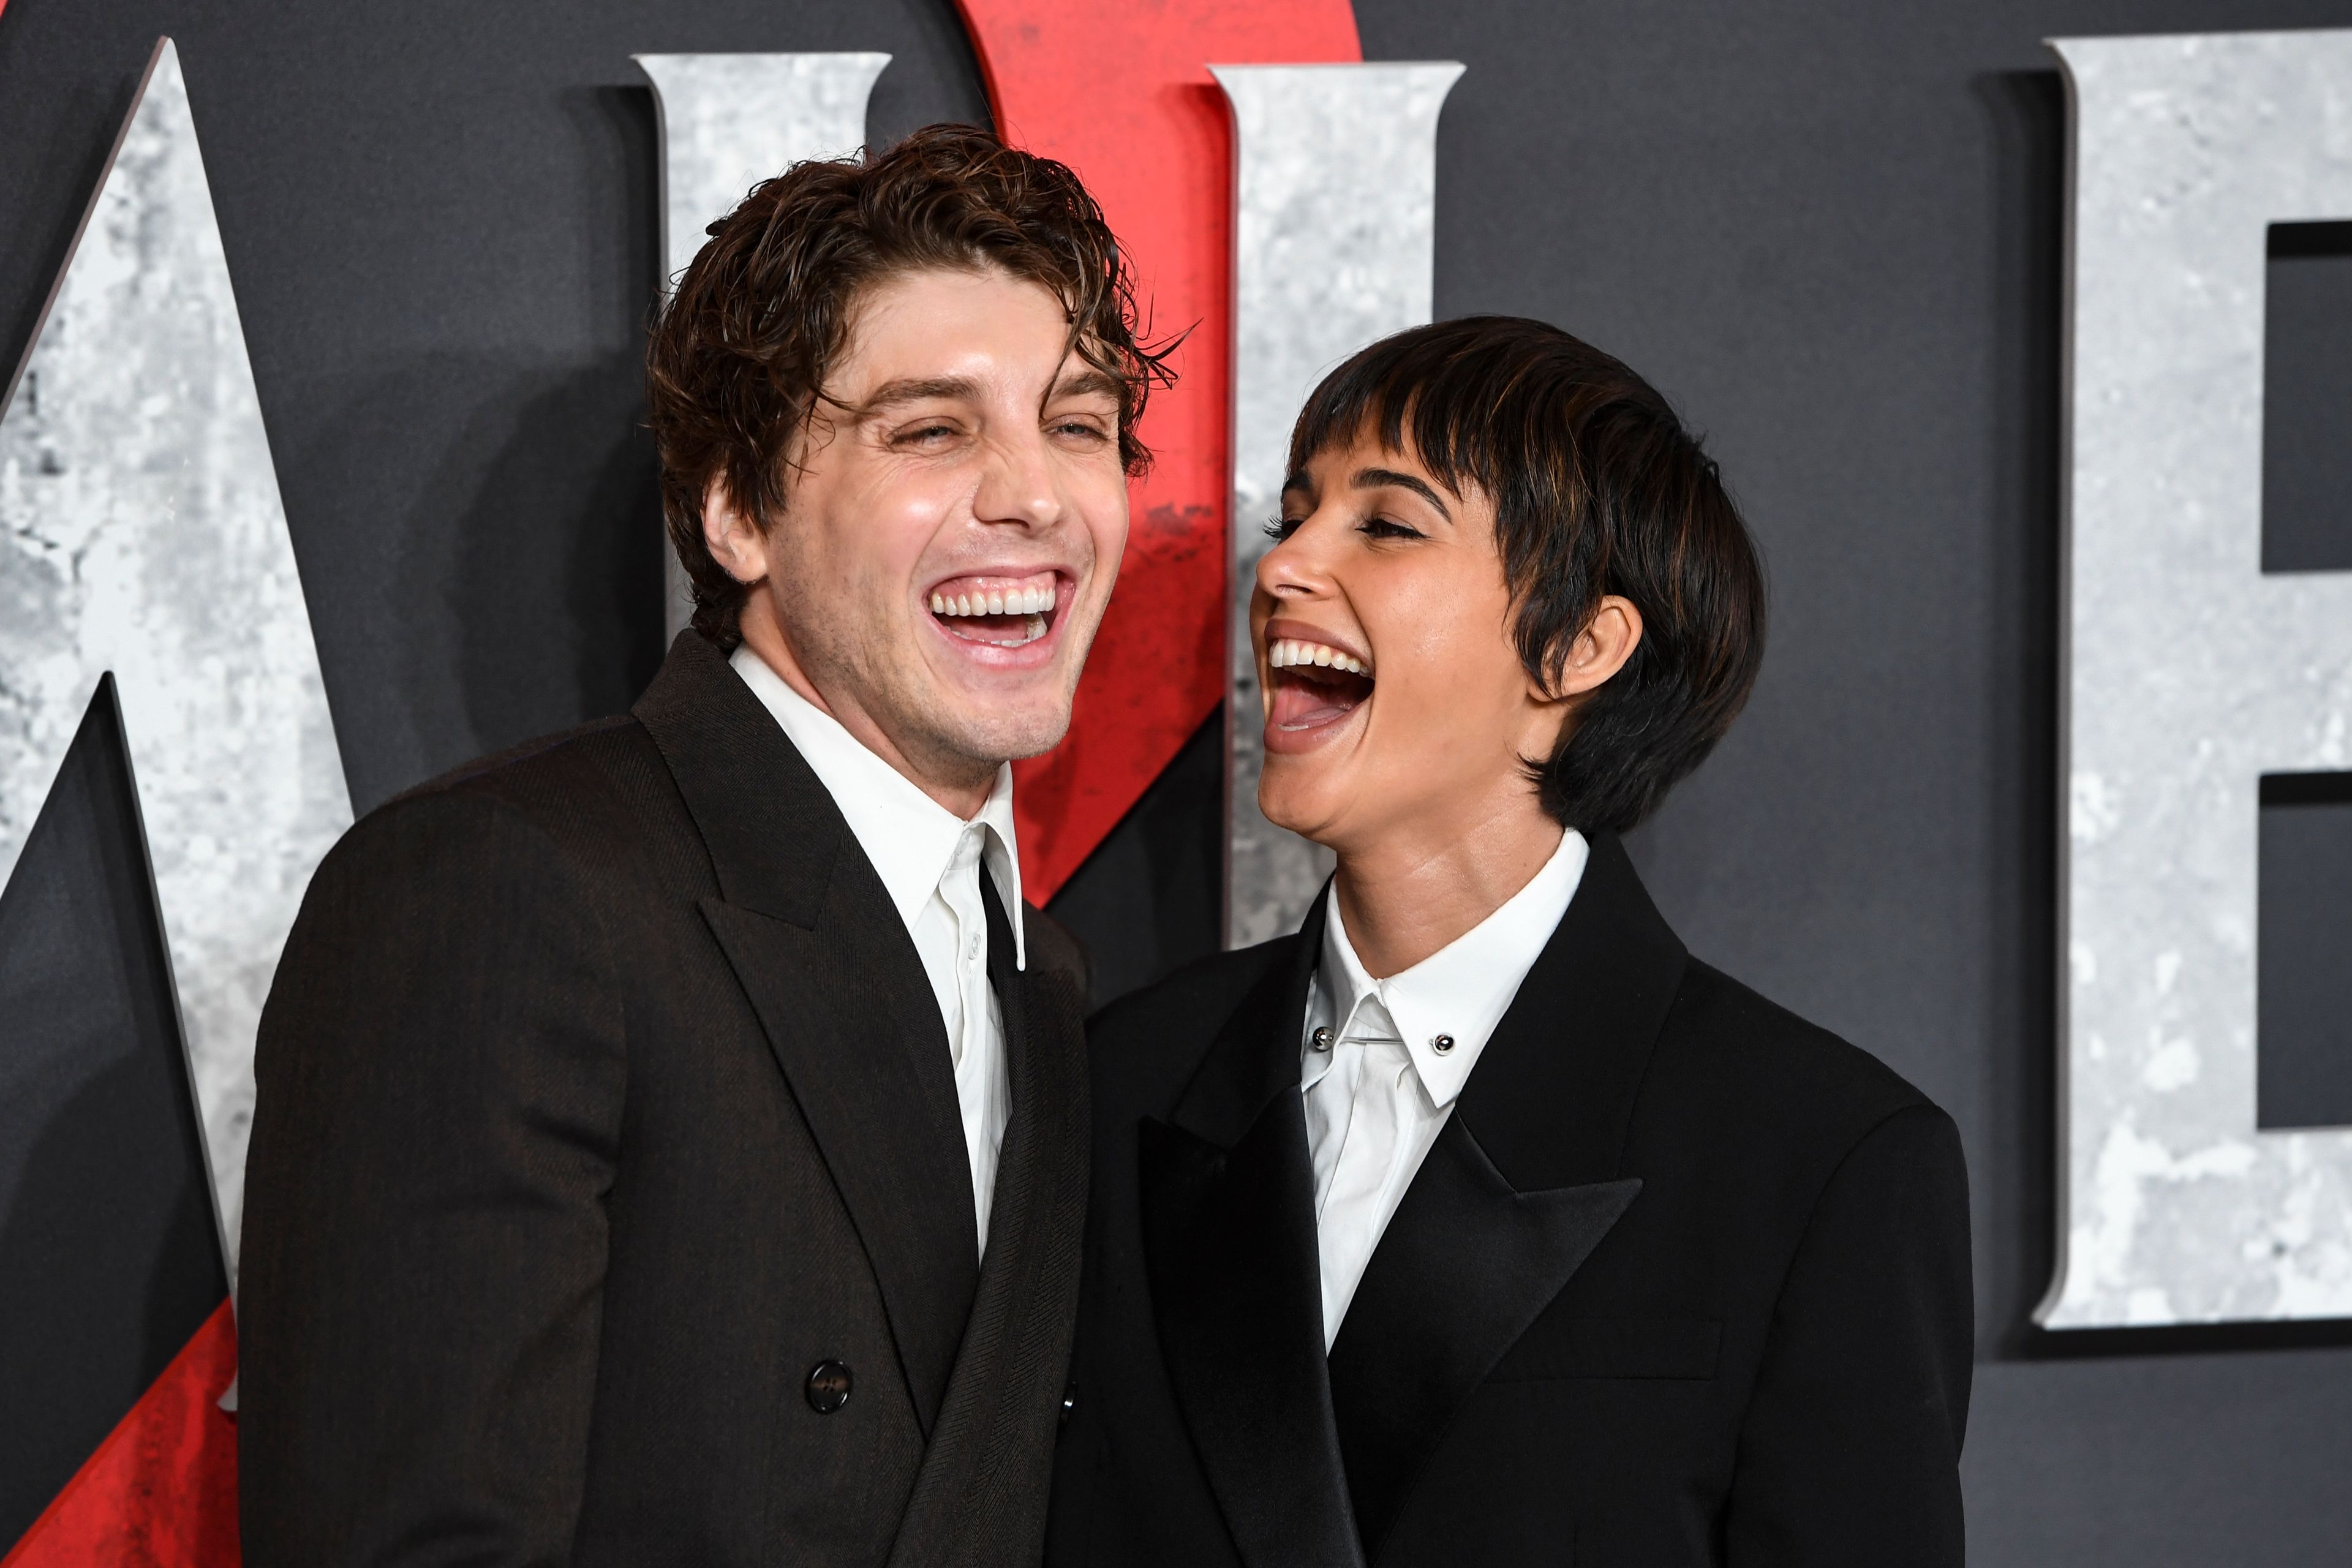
x=161 y=1491
x=1122 y=94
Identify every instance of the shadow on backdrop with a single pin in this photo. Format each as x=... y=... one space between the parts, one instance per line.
x=2016 y=1198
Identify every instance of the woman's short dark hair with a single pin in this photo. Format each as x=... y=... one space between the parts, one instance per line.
x=740 y=355
x=1598 y=489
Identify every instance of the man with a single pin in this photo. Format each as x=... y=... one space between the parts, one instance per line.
x=1479 y=1223
x=671 y=1135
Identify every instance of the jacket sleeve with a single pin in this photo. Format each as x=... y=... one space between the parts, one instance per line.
x=1851 y=1446
x=440 y=1071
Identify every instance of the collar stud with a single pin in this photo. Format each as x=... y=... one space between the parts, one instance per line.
x=1440 y=1044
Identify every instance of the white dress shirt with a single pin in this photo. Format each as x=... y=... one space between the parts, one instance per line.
x=1395 y=1055
x=930 y=861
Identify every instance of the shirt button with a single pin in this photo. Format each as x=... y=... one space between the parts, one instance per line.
x=1321 y=1039
x=828 y=1387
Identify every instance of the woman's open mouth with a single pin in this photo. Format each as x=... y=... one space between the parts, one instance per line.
x=998 y=612
x=1311 y=688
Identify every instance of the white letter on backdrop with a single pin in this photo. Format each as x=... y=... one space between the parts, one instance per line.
x=728 y=121
x=141 y=532
x=1335 y=223
x=2189 y=674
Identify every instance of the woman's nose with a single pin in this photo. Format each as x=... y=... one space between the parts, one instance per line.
x=1295 y=568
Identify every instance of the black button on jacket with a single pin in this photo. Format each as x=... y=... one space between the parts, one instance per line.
x=601 y=1097
x=1683 y=1281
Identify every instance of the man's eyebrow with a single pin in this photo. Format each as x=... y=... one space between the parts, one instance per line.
x=916 y=389
x=1085 y=383
x=1376 y=478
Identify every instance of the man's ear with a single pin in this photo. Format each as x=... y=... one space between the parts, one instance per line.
x=733 y=540
x=1599 y=651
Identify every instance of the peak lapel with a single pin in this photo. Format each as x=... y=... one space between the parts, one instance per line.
x=1461 y=1272
x=1553 y=1096
x=837 y=1003
x=980 y=1497
x=840 y=993
x=771 y=829
x=1521 y=1186
x=1228 y=1211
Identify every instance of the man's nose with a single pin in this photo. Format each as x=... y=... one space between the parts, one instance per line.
x=1018 y=484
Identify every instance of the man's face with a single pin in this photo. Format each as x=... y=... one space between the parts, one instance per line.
x=953 y=529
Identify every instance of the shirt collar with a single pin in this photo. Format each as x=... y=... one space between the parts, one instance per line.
x=1462 y=989
x=910 y=838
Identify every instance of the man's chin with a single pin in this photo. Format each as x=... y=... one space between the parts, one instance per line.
x=1006 y=735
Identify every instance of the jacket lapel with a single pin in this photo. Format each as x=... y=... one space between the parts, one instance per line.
x=1228 y=1212
x=1461 y=1272
x=1522 y=1185
x=841 y=994
x=980 y=1497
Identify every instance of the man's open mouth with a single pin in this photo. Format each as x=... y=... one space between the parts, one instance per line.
x=1002 y=612
x=1313 y=685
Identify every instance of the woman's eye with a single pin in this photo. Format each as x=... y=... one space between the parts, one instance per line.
x=1382 y=527
x=1282 y=528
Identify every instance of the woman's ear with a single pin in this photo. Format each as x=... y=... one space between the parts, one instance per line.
x=733 y=540
x=1599 y=650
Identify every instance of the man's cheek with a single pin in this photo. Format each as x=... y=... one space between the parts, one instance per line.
x=1110 y=535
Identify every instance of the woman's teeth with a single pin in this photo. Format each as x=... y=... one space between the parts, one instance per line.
x=999 y=616
x=1289 y=654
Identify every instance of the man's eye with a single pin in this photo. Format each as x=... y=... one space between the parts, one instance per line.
x=927 y=434
x=1082 y=429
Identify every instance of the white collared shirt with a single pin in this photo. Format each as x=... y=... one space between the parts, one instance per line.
x=1400 y=1051
x=930 y=863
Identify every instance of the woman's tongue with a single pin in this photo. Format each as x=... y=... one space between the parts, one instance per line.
x=1303 y=702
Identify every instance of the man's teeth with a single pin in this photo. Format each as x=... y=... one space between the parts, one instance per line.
x=1288 y=653
x=995 y=602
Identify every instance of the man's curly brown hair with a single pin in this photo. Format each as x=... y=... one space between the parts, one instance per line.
x=741 y=354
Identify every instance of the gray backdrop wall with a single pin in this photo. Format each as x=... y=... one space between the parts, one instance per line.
x=1832 y=232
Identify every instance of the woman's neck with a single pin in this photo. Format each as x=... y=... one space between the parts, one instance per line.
x=1410 y=895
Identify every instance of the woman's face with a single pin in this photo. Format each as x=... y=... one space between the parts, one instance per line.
x=1395 y=701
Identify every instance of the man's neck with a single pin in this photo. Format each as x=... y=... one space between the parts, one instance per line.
x=962 y=795
x=1413 y=895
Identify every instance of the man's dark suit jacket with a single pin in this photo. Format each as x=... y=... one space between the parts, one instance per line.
x=1682 y=1280
x=603 y=1097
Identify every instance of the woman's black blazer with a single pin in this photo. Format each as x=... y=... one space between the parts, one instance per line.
x=1683 y=1281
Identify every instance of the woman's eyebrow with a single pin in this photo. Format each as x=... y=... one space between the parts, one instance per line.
x=1380 y=479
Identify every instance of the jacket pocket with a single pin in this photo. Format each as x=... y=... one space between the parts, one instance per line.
x=1664 y=1348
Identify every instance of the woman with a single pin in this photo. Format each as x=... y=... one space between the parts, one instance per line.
x=1478 y=1223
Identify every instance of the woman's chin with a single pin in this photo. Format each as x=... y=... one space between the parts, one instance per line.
x=1297 y=794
